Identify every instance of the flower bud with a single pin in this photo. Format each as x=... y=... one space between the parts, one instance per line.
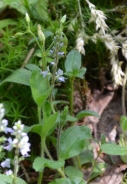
x=27 y=18
x=41 y=34
x=18 y=35
x=63 y=19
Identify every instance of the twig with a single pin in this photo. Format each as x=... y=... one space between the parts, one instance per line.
x=29 y=55
x=25 y=173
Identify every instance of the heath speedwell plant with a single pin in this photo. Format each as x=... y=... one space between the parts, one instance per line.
x=57 y=67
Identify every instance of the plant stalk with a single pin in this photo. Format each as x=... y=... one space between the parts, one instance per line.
x=123 y=93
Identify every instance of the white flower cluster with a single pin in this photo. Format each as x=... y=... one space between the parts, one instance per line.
x=19 y=142
x=98 y=17
x=113 y=47
x=80 y=45
x=124 y=49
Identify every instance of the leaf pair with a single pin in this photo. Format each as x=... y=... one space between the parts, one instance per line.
x=73 y=65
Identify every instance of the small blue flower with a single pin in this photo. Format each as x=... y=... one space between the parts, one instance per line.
x=59 y=72
x=60 y=53
x=59 y=75
x=51 y=51
x=46 y=72
x=61 y=79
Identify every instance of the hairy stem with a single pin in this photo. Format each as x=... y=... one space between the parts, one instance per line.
x=123 y=93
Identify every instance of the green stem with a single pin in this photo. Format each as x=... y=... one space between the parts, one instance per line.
x=50 y=157
x=79 y=163
x=16 y=167
x=93 y=165
x=29 y=31
x=58 y=138
x=123 y=93
x=39 y=114
x=42 y=155
x=42 y=150
x=80 y=12
x=43 y=57
x=71 y=95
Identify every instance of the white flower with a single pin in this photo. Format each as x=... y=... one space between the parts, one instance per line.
x=124 y=50
x=24 y=146
x=9 y=172
x=6 y=163
x=2 y=111
x=98 y=17
x=117 y=74
x=10 y=145
x=80 y=45
x=110 y=43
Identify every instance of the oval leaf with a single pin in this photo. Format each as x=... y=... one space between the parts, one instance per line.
x=20 y=76
x=73 y=59
x=113 y=149
x=40 y=163
x=72 y=141
x=123 y=123
x=84 y=113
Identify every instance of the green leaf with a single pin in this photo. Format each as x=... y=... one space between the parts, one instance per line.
x=71 y=118
x=113 y=149
x=86 y=157
x=46 y=111
x=39 y=87
x=71 y=172
x=81 y=73
x=17 y=5
x=49 y=125
x=73 y=60
x=7 y=22
x=78 y=180
x=4 y=179
x=98 y=170
x=40 y=163
x=61 y=181
x=84 y=113
x=41 y=8
x=34 y=128
x=72 y=141
x=32 y=67
x=123 y=123
x=20 y=76
x=37 y=129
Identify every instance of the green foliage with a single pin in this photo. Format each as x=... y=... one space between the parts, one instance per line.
x=20 y=76
x=123 y=123
x=73 y=65
x=84 y=113
x=71 y=172
x=49 y=117
x=40 y=163
x=39 y=87
x=113 y=149
x=98 y=170
x=4 y=179
x=72 y=141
